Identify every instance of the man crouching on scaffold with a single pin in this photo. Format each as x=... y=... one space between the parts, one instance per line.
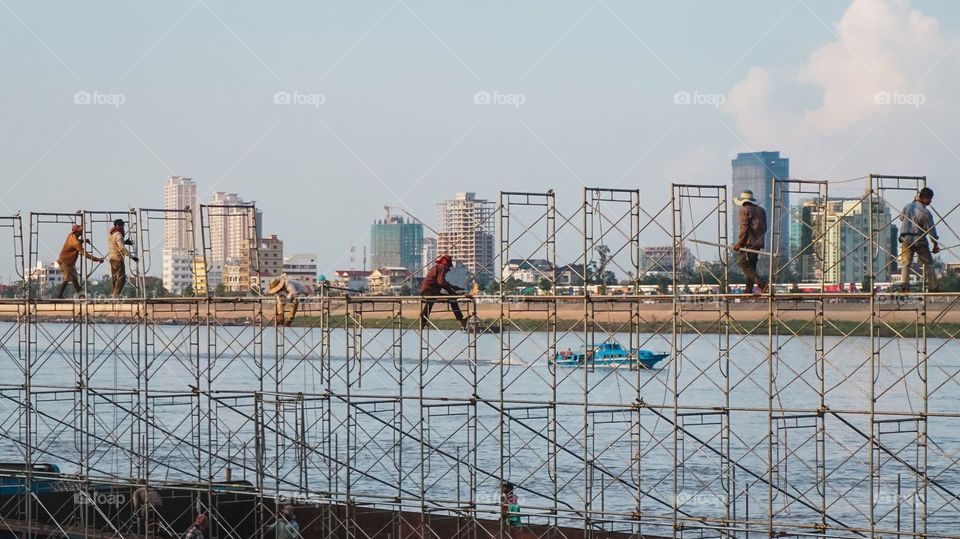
x=287 y=290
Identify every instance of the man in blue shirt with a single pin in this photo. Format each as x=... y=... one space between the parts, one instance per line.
x=916 y=224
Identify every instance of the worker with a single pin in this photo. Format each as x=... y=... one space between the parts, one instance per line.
x=72 y=249
x=916 y=224
x=753 y=227
x=116 y=251
x=198 y=529
x=286 y=526
x=294 y=290
x=509 y=504
x=435 y=284
x=146 y=503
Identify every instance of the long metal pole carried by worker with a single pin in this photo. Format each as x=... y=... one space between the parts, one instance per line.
x=725 y=246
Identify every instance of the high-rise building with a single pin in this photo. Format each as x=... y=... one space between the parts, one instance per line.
x=270 y=252
x=429 y=254
x=840 y=229
x=848 y=241
x=755 y=171
x=235 y=232
x=396 y=242
x=179 y=193
x=230 y=228
x=803 y=229
x=465 y=231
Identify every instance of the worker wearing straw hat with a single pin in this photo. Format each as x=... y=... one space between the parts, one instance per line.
x=294 y=290
x=753 y=227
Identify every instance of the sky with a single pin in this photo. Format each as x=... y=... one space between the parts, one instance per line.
x=325 y=112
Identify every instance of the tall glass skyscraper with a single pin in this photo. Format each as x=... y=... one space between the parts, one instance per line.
x=755 y=171
x=395 y=242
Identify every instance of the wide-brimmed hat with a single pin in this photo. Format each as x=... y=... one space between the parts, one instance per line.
x=745 y=196
x=275 y=285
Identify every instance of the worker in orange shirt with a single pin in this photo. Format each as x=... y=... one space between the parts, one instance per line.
x=72 y=249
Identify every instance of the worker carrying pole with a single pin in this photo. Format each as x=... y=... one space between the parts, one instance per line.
x=753 y=228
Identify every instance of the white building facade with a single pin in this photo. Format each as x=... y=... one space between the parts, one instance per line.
x=466 y=232
x=177 y=270
x=179 y=245
x=302 y=268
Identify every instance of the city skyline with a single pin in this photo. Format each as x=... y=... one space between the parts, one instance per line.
x=598 y=94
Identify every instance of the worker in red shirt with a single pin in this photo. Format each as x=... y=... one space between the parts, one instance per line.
x=72 y=249
x=435 y=284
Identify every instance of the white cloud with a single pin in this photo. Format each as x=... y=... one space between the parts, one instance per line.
x=883 y=47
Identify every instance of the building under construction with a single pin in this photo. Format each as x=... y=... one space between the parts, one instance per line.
x=791 y=414
x=465 y=231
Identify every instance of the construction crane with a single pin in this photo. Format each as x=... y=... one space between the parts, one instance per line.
x=410 y=215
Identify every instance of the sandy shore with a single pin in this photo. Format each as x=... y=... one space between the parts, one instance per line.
x=604 y=310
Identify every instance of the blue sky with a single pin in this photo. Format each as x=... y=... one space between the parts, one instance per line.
x=399 y=125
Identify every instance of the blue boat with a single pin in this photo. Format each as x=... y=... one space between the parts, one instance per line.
x=610 y=353
x=46 y=478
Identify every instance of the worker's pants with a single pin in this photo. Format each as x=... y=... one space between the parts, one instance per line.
x=428 y=306
x=910 y=245
x=748 y=266
x=69 y=276
x=294 y=305
x=118 y=271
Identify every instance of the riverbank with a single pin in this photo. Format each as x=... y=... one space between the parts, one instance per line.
x=939 y=317
x=758 y=326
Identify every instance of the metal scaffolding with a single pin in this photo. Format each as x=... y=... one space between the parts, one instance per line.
x=797 y=412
